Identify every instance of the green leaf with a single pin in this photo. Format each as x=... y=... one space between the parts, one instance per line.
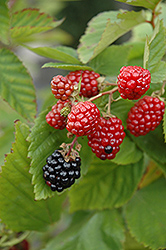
x=143 y=3
x=102 y=230
x=93 y=34
x=30 y=21
x=129 y=153
x=136 y=53
x=23 y=212
x=110 y=61
x=141 y=31
x=66 y=66
x=121 y=109
x=158 y=74
x=16 y=85
x=61 y=53
x=153 y=144
x=4 y=21
x=44 y=141
x=154 y=52
x=85 y=151
x=104 y=29
x=106 y=185
x=132 y=244
x=145 y=209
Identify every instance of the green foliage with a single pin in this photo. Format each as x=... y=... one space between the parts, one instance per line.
x=104 y=30
x=154 y=52
x=29 y=22
x=17 y=192
x=60 y=53
x=100 y=230
x=129 y=153
x=153 y=144
x=106 y=185
x=66 y=66
x=110 y=61
x=145 y=209
x=4 y=20
x=143 y=3
x=16 y=87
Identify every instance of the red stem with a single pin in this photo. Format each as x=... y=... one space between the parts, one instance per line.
x=72 y=145
x=109 y=92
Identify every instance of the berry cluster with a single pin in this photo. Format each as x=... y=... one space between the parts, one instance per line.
x=133 y=82
x=145 y=116
x=82 y=118
x=107 y=137
x=60 y=174
x=89 y=84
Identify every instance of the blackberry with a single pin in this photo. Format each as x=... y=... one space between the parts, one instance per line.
x=60 y=174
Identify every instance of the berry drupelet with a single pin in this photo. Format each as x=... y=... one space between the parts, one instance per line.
x=89 y=84
x=145 y=116
x=83 y=118
x=107 y=137
x=61 y=87
x=54 y=117
x=133 y=82
x=60 y=174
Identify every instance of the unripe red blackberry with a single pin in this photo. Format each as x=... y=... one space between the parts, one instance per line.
x=60 y=174
x=133 y=82
x=61 y=87
x=83 y=118
x=145 y=116
x=54 y=117
x=107 y=137
x=89 y=84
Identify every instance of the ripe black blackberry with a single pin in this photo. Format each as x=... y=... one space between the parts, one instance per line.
x=60 y=174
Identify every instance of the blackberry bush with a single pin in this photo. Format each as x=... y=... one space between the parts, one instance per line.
x=97 y=94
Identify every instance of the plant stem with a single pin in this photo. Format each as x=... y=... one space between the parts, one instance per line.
x=111 y=84
x=72 y=145
x=154 y=15
x=109 y=92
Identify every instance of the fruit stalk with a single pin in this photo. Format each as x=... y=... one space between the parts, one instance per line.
x=109 y=92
